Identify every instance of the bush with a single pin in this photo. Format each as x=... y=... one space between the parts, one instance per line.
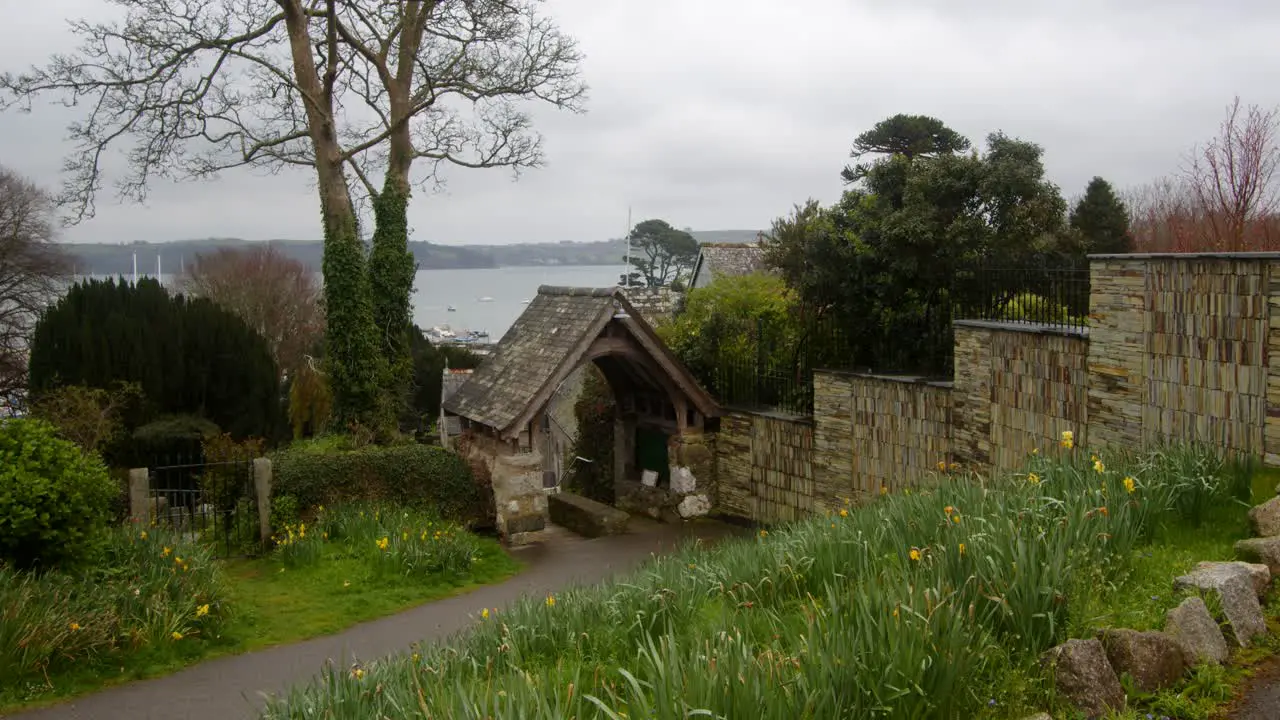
x=595 y=411
x=55 y=499
x=418 y=476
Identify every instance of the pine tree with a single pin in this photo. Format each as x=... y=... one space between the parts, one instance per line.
x=1102 y=220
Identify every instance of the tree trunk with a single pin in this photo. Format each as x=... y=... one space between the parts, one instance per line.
x=352 y=361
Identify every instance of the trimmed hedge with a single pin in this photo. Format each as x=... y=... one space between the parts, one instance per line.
x=420 y=476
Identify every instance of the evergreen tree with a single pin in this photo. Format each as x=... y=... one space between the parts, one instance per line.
x=188 y=356
x=1102 y=220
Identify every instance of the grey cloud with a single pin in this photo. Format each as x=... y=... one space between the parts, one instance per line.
x=724 y=113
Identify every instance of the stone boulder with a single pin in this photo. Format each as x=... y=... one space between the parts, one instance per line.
x=1258 y=573
x=1234 y=587
x=1261 y=550
x=682 y=480
x=1191 y=625
x=586 y=516
x=1265 y=518
x=694 y=506
x=1153 y=659
x=1083 y=675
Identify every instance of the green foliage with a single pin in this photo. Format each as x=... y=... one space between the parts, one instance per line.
x=429 y=362
x=595 y=411
x=1030 y=307
x=660 y=253
x=228 y=475
x=911 y=136
x=416 y=476
x=165 y=440
x=904 y=249
x=723 y=321
x=353 y=359
x=911 y=607
x=93 y=418
x=187 y=356
x=1102 y=219
x=150 y=589
x=391 y=271
x=310 y=403
x=55 y=499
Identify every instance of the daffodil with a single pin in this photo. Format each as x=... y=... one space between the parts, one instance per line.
x=143 y=535
x=1033 y=478
x=942 y=466
x=844 y=513
x=1098 y=466
x=484 y=614
x=165 y=552
x=202 y=610
x=948 y=509
x=176 y=635
x=383 y=543
x=358 y=673
x=1130 y=484
x=1068 y=439
x=915 y=554
x=75 y=627
x=956 y=518
x=884 y=489
x=551 y=601
x=961 y=548
x=764 y=533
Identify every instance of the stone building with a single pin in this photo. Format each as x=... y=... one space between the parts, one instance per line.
x=662 y=464
x=717 y=260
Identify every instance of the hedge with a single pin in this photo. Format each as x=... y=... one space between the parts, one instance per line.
x=420 y=476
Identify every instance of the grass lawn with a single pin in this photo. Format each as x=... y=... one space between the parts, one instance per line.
x=277 y=605
x=302 y=590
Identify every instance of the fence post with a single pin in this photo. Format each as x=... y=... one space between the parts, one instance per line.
x=139 y=489
x=262 y=485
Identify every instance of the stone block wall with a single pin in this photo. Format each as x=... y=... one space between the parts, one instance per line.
x=901 y=430
x=764 y=467
x=1022 y=385
x=1185 y=348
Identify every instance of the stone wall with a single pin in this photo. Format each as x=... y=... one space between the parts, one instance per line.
x=1178 y=348
x=1018 y=387
x=764 y=467
x=1185 y=348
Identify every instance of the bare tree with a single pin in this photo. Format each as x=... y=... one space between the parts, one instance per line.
x=33 y=272
x=275 y=294
x=1233 y=178
x=338 y=86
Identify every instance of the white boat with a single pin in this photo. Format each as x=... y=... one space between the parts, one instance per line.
x=486 y=298
x=524 y=302
x=451 y=309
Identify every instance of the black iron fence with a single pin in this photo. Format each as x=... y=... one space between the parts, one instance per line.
x=214 y=503
x=1052 y=295
x=773 y=369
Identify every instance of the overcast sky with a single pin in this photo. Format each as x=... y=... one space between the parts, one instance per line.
x=720 y=114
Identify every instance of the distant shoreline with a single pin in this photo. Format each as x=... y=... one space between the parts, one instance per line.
x=118 y=259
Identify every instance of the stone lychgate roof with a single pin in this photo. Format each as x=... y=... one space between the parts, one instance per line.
x=545 y=344
x=730 y=259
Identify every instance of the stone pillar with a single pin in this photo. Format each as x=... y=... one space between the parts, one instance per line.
x=971 y=397
x=692 y=466
x=1271 y=432
x=1117 y=353
x=139 y=492
x=832 y=440
x=520 y=503
x=262 y=487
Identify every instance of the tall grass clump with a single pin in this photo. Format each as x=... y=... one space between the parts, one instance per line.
x=913 y=606
x=148 y=590
x=395 y=540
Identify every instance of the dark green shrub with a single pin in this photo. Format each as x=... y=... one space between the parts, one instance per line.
x=421 y=476
x=55 y=499
x=177 y=439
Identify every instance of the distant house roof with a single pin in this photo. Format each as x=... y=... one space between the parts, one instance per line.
x=547 y=342
x=728 y=260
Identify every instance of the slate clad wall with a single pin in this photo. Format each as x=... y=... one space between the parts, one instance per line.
x=1206 y=342
x=764 y=467
x=1184 y=348
x=1023 y=385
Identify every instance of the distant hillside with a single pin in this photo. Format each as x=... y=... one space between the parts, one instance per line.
x=116 y=259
